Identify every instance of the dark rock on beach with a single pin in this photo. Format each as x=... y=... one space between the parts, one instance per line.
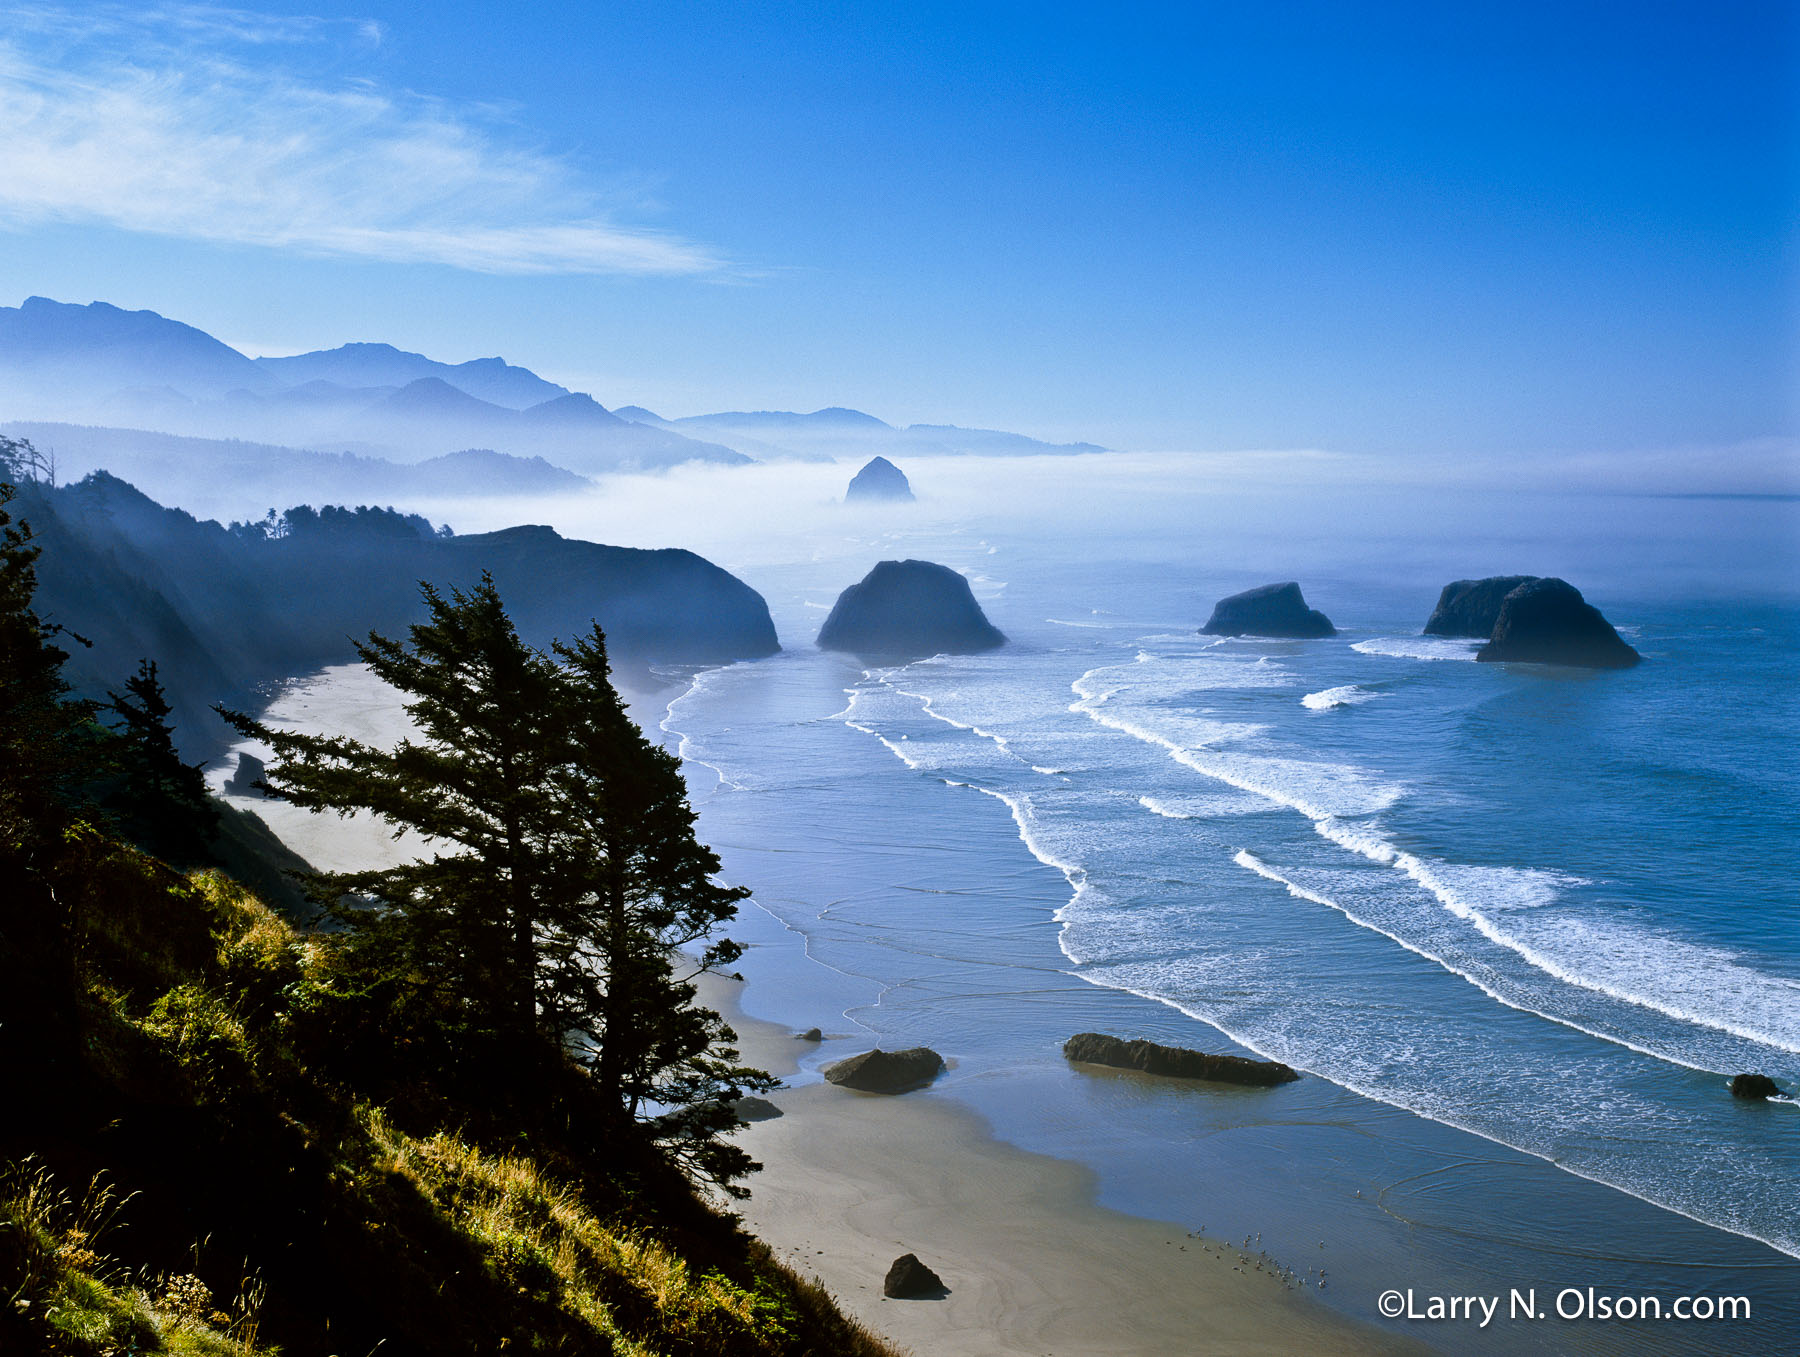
x=755 y=1109
x=906 y=610
x=879 y=479
x=1096 y=1048
x=810 y=1034
x=245 y=776
x=881 y=1071
x=1754 y=1086
x=1267 y=610
x=1548 y=622
x=1471 y=607
x=909 y=1279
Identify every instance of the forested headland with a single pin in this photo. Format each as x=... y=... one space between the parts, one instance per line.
x=467 y=1104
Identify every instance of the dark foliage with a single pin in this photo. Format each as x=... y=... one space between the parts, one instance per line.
x=565 y=877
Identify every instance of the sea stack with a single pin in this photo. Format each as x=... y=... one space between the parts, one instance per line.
x=1268 y=610
x=879 y=479
x=1471 y=607
x=1548 y=622
x=245 y=776
x=906 y=610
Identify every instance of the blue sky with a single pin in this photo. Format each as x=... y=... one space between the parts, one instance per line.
x=1431 y=230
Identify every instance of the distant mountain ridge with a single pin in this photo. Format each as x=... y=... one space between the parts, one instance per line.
x=97 y=363
x=104 y=344
x=490 y=379
x=172 y=468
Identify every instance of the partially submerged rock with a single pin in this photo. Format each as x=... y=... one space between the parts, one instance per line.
x=810 y=1034
x=1754 y=1086
x=1096 y=1048
x=1471 y=607
x=1548 y=622
x=879 y=479
x=1268 y=610
x=245 y=776
x=881 y=1071
x=906 y=610
x=909 y=1279
x=755 y=1109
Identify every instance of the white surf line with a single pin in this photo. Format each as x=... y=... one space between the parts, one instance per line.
x=1001 y=742
x=1249 y=860
x=1379 y=850
x=1079 y=884
x=700 y=682
x=1789 y=1247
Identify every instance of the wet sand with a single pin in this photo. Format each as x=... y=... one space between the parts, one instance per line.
x=851 y=1181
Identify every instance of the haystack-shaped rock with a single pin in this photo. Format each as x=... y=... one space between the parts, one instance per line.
x=1548 y=622
x=886 y=1071
x=1096 y=1048
x=909 y=609
x=879 y=479
x=1268 y=610
x=1471 y=607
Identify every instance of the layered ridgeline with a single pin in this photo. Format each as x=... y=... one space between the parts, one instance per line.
x=100 y=365
x=98 y=368
x=177 y=469
x=224 y=609
x=225 y=1135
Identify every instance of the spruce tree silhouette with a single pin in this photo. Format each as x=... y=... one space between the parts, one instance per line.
x=563 y=871
x=161 y=802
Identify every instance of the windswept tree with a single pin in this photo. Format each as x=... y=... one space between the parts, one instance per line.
x=645 y=890
x=563 y=872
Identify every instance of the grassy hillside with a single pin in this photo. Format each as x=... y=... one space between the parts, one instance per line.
x=187 y=1173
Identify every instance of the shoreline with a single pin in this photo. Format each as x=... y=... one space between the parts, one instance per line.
x=1033 y=1265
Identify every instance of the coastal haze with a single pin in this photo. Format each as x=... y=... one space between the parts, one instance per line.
x=1092 y=327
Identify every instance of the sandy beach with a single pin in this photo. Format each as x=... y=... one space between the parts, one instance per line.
x=851 y=1181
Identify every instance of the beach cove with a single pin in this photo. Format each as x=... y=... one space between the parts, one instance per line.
x=974 y=856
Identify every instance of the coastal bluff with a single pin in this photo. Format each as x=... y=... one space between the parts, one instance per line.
x=1547 y=621
x=1471 y=607
x=1175 y=1062
x=879 y=479
x=1268 y=610
x=908 y=610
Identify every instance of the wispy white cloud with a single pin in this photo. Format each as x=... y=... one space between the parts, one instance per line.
x=216 y=124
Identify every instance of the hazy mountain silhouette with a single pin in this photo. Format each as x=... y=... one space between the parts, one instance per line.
x=97 y=364
x=193 y=471
x=837 y=432
x=365 y=365
x=101 y=347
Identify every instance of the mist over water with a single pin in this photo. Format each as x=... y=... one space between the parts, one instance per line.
x=1549 y=908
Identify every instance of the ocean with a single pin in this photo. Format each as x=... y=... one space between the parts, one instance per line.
x=1517 y=926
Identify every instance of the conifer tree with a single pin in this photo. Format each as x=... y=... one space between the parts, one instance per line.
x=644 y=890
x=563 y=872
x=43 y=730
x=162 y=802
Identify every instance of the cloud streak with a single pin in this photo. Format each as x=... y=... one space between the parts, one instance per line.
x=203 y=124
